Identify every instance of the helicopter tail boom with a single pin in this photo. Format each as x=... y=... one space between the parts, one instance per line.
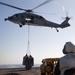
x=64 y=25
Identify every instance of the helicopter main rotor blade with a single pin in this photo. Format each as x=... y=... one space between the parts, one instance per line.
x=12 y=6
x=42 y=4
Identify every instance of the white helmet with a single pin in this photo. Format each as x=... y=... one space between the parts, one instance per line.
x=69 y=48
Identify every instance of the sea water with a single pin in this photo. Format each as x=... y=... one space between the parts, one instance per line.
x=16 y=66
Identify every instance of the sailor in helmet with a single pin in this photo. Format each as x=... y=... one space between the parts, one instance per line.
x=67 y=62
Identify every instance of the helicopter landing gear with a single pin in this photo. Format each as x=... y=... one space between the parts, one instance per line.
x=57 y=30
x=20 y=25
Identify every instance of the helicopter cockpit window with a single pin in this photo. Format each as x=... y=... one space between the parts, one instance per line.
x=41 y=17
x=16 y=15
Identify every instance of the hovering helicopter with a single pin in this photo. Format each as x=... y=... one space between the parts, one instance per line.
x=28 y=17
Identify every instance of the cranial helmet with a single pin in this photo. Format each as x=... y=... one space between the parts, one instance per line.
x=69 y=48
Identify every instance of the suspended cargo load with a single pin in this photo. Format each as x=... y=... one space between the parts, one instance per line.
x=28 y=61
x=24 y=59
x=31 y=60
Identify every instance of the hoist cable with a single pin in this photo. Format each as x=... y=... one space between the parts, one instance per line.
x=28 y=48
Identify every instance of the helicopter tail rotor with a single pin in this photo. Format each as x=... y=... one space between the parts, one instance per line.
x=67 y=17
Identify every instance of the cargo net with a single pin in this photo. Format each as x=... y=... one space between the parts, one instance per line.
x=28 y=60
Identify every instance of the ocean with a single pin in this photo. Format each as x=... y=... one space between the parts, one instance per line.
x=16 y=66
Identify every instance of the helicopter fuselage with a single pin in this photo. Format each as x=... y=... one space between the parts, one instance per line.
x=35 y=20
x=30 y=19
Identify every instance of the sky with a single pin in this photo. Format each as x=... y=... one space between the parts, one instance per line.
x=45 y=42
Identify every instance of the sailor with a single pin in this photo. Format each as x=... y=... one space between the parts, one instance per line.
x=67 y=61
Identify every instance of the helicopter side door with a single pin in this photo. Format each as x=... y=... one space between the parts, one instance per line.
x=39 y=21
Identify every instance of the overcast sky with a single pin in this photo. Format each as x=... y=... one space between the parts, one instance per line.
x=45 y=42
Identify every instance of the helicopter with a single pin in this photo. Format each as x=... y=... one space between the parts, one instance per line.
x=30 y=18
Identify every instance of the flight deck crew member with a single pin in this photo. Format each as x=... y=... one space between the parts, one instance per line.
x=66 y=62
